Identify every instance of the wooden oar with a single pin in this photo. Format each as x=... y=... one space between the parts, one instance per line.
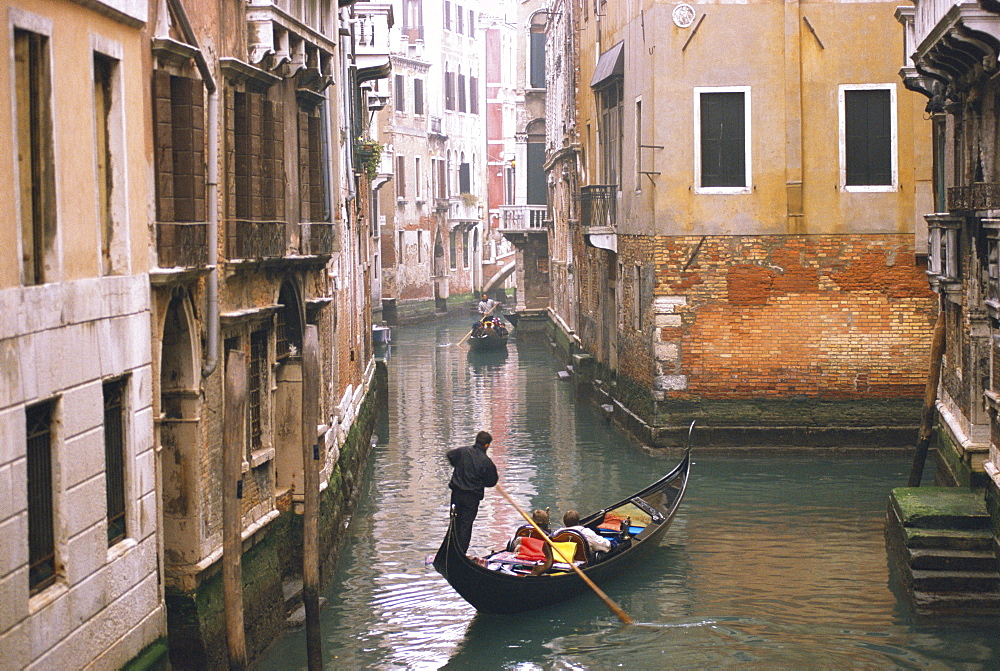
x=480 y=321
x=615 y=608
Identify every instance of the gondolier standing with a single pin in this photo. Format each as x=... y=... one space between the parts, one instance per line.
x=473 y=472
x=486 y=305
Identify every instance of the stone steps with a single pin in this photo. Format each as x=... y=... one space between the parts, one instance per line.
x=941 y=541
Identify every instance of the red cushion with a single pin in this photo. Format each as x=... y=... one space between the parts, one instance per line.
x=531 y=549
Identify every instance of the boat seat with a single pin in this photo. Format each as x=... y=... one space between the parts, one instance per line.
x=522 y=531
x=583 y=552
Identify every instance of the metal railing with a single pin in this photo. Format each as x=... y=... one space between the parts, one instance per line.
x=523 y=217
x=182 y=244
x=598 y=205
x=316 y=238
x=255 y=239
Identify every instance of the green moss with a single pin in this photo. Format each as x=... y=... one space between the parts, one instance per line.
x=154 y=657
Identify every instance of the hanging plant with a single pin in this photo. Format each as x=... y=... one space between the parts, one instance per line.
x=368 y=156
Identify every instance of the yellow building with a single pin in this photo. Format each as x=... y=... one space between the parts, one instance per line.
x=79 y=581
x=750 y=200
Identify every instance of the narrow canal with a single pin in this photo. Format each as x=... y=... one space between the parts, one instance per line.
x=773 y=561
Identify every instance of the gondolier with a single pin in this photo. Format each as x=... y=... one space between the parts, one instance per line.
x=486 y=305
x=473 y=472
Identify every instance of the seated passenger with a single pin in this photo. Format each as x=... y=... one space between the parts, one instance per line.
x=571 y=520
x=541 y=518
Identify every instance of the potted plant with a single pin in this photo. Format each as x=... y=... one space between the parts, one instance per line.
x=368 y=156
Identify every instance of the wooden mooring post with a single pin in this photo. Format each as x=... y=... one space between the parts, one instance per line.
x=930 y=399
x=233 y=432
x=310 y=485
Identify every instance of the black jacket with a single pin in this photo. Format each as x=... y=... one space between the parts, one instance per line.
x=474 y=470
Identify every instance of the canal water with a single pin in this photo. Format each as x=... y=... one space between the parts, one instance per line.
x=773 y=561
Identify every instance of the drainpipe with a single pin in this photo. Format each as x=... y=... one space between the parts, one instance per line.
x=211 y=361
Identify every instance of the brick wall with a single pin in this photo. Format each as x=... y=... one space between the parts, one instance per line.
x=833 y=317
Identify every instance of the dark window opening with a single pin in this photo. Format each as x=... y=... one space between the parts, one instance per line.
x=868 y=137
x=537 y=60
x=723 y=139
x=114 y=458
x=474 y=95
x=464 y=178
x=41 y=517
x=400 y=94
x=418 y=96
x=256 y=386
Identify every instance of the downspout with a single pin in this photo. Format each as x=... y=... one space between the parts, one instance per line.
x=211 y=361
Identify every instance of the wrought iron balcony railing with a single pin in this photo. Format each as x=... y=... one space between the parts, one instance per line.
x=978 y=196
x=523 y=217
x=598 y=205
x=255 y=239
x=182 y=244
x=317 y=238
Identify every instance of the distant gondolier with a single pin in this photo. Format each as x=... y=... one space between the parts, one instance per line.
x=473 y=472
x=486 y=305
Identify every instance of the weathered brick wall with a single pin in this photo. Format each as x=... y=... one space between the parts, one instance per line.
x=833 y=317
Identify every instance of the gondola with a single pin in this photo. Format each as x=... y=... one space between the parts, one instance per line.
x=485 y=342
x=493 y=585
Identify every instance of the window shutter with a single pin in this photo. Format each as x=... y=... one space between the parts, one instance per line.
x=868 y=137
x=723 y=141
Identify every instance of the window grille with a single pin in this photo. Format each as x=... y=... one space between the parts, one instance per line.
x=114 y=458
x=41 y=533
x=255 y=387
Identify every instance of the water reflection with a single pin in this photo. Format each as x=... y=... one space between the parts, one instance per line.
x=771 y=561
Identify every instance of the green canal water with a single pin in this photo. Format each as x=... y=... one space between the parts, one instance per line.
x=774 y=561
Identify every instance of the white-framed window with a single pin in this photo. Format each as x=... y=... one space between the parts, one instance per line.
x=722 y=139
x=109 y=127
x=868 y=138
x=638 y=143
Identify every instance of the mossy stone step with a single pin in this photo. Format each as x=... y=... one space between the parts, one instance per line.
x=949 y=539
x=940 y=507
x=956 y=581
x=952 y=560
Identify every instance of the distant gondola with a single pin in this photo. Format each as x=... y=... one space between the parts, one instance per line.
x=487 y=341
x=499 y=584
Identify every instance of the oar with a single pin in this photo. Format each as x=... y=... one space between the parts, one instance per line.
x=615 y=608
x=481 y=320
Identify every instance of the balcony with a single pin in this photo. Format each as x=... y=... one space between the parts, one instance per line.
x=523 y=217
x=182 y=244
x=317 y=238
x=974 y=198
x=254 y=240
x=598 y=215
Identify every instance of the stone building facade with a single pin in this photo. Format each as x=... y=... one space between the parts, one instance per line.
x=431 y=215
x=751 y=240
x=951 y=54
x=79 y=578
x=263 y=227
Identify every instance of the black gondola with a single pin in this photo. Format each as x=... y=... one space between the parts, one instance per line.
x=487 y=341
x=492 y=587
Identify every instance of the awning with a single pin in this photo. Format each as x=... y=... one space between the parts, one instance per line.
x=610 y=64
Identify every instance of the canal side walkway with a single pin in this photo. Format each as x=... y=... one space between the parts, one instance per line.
x=942 y=548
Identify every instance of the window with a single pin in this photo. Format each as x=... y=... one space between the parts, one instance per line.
x=41 y=517
x=474 y=95
x=417 y=186
x=638 y=144
x=257 y=129
x=36 y=178
x=453 y=248
x=399 y=249
x=400 y=94
x=464 y=178
x=442 y=178
x=939 y=141
x=257 y=388
x=461 y=93
x=509 y=185
x=610 y=128
x=536 y=74
x=472 y=23
x=413 y=20
x=447 y=15
x=108 y=134
x=722 y=144
x=418 y=96
x=460 y=18
x=400 y=177
x=420 y=246
x=114 y=458
x=868 y=137
x=449 y=90
x=465 y=249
